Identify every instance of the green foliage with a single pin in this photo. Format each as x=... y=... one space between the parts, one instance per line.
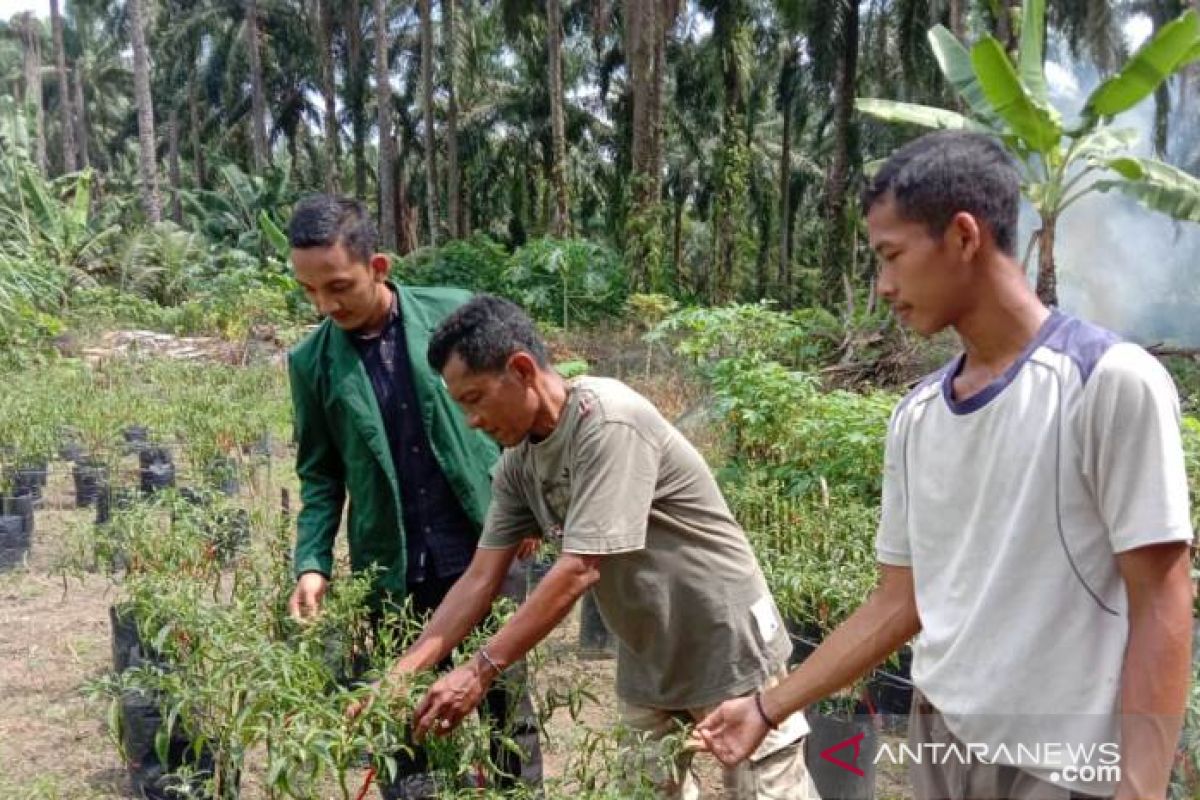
x=207 y=409
x=245 y=212
x=648 y=310
x=1011 y=103
x=780 y=424
x=799 y=338
x=477 y=264
x=567 y=281
x=818 y=556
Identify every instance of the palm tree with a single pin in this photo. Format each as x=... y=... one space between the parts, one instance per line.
x=837 y=183
x=356 y=93
x=145 y=113
x=453 y=177
x=30 y=31
x=641 y=33
x=427 y=109
x=64 y=92
x=561 y=225
x=324 y=39
x=383 y=102
x=258 y=112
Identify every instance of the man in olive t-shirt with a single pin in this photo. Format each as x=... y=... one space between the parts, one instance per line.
x=640 y=520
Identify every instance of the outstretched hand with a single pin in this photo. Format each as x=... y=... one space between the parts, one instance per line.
x=448 y=701
x=731 y=732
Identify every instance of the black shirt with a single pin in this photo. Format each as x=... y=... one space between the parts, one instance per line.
x=440 y=538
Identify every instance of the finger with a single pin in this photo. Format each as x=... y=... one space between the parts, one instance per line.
x=294 y=607
x=425 y=718
x=445 y=726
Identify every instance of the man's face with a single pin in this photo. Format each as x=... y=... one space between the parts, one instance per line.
x=502 y=404
x=341 y=288
x=924 y=278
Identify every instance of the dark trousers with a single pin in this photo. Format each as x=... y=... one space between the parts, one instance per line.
x=507 y=707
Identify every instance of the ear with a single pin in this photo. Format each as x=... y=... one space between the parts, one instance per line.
x=524 y=366
x=380 y=265
x=966 y=234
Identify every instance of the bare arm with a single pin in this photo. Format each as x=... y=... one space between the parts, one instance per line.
x=1154 y=680
x=455 y=695
x=882 y=624
x=876 y=630
x=467 y=602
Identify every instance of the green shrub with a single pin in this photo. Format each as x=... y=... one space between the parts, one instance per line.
x=476 y=264
x=818 y=557
x=705 y=335
x=566 y=281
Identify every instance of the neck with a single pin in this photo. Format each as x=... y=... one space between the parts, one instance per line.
x=551 y=391
x=1003 y=320
x=383 y=309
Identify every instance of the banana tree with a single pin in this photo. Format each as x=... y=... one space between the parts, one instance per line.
x=1060 y=162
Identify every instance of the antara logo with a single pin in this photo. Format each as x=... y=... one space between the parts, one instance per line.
x=854 y=742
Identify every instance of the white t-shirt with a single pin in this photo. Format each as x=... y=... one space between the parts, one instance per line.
x=1010 y=507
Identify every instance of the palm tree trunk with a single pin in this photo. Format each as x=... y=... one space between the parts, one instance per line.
x=328 y=93
x=173 y=169
x=958 y=21
x=641 y=24
x=258 y=104
x=195 y=123
x=81 y=117
x=838 y=178
x=357 y=89
x=668 y=11
x=29 y=30
x=677 y=240
x=383 y=90
x=1047 y=279
x=785 y=181
x=561 y=225
x=427 y=108
x=454 y=217
x=145 y=114
x=64 y=91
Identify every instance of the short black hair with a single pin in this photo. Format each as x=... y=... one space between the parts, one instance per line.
x=485 y=332
x=323 y=220
x=946 y=172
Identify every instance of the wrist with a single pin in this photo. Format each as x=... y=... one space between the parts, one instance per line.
x=486 y=666
x=764 y=713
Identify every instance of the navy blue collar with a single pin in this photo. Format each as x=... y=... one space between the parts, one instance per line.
x=985 y=396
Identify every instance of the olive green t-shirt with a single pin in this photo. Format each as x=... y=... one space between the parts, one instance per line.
x=679 y=585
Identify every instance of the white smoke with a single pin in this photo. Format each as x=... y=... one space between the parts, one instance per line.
x=1119 y=264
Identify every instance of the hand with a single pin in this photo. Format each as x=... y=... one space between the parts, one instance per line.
x=732 y=732
x=449 y=700
x=307 y=596
x=528 y=547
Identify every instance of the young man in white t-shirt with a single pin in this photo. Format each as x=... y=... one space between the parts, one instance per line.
x=1035 y=528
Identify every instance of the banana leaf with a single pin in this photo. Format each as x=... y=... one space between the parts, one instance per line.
x=1156 y=185
x=1153 y=63
x=1034 y=122
x=914 y=114
x=1030 y=48
x=955 y=64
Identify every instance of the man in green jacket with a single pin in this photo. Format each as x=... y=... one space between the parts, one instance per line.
x=375 y=424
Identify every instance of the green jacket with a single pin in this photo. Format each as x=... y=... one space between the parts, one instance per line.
x=342 y=448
